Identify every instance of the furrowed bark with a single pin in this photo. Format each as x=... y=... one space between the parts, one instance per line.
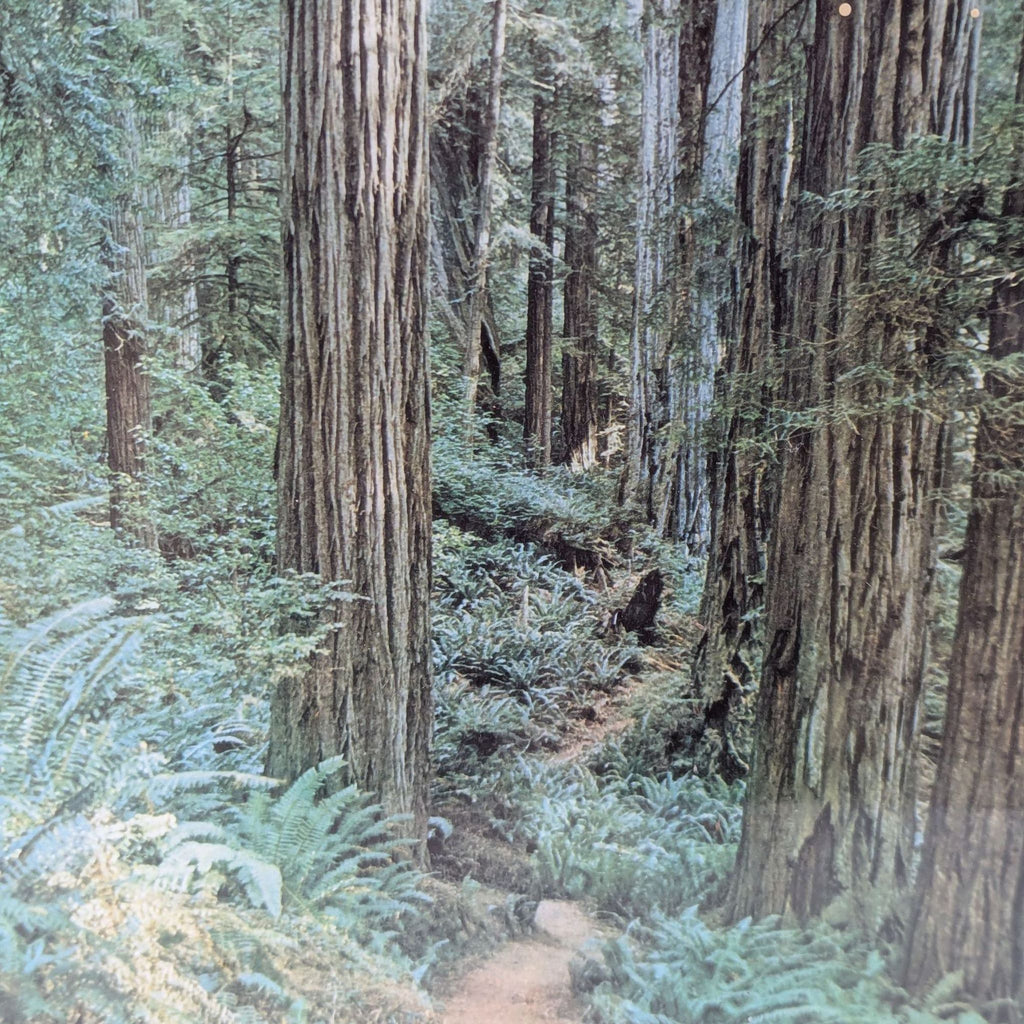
x=354 y=474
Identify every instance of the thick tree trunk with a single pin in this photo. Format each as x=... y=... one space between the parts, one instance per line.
x=354 y=475
x=540 y=289
x=969 y=908
x=579 y=354
x=830 y=807
x=125 y=312
x=726 y=657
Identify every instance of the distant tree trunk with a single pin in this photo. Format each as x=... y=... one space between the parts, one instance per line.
x=489 y=157
x=677 y=58
x=653 y=302
x=455 y=167
x=579 y=355
x=968 y=914
x=830 y=805
x=172 y=287
x=740 y=474
x=125 y=311
x=354 y=474
x=540 y=289
x=709 y=265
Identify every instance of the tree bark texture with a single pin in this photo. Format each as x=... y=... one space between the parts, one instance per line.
x=708 y=235
x=830 y=806
x=125 y=312
x=969 y=906
x=579 y=325
x=540 y=289
x=354 y=474
x=741 y=464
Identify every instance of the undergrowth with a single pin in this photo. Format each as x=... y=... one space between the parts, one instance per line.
x=679 y=970
x=631 y=846
x=516 y=650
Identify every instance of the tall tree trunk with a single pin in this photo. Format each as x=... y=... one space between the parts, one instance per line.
x=354 y=474
x=125 y=312
x=708 y=256
x=653 y=302
x=489 y=157
x=969 y=905
x=579 y=355
x=540 y=289
x=677 y=60
x=724 y=664
x=830 y=806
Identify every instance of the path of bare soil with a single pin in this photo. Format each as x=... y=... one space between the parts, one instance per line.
x=527 y=980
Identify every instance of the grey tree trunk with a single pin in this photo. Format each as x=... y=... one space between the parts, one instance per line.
x=968 y=914
x=354 y=473
x=710 y=266
x=654 y=300
x=830 y=806
x=672 y=356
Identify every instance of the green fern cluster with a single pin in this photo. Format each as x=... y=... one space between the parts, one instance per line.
x=514 y=647
x=492 y=489
x=128 y=889
x=631 y=846
x=301 y=851
x=681 y=971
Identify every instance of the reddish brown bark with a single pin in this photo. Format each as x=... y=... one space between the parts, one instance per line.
x=969 y=909
x=354 y=476
x=830 y=806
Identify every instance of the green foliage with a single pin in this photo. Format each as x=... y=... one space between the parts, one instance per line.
x=491 y=492
x=633 y=846
x=83 y=856
x=514 y=650
x=682 y=971
x=304 y=851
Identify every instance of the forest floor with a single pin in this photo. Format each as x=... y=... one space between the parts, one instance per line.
x=528 y=979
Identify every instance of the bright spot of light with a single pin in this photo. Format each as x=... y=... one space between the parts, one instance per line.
x=845 y=10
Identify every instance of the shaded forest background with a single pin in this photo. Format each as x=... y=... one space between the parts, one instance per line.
x=721 y=527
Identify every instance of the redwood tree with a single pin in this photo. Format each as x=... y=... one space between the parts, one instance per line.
x=968 y=912
x=830 y=806
x=125 y=311
x=579 y=354
x=353 y=473
x=540 y=286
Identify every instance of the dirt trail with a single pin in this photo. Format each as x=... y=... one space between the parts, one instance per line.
x=527 y=980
